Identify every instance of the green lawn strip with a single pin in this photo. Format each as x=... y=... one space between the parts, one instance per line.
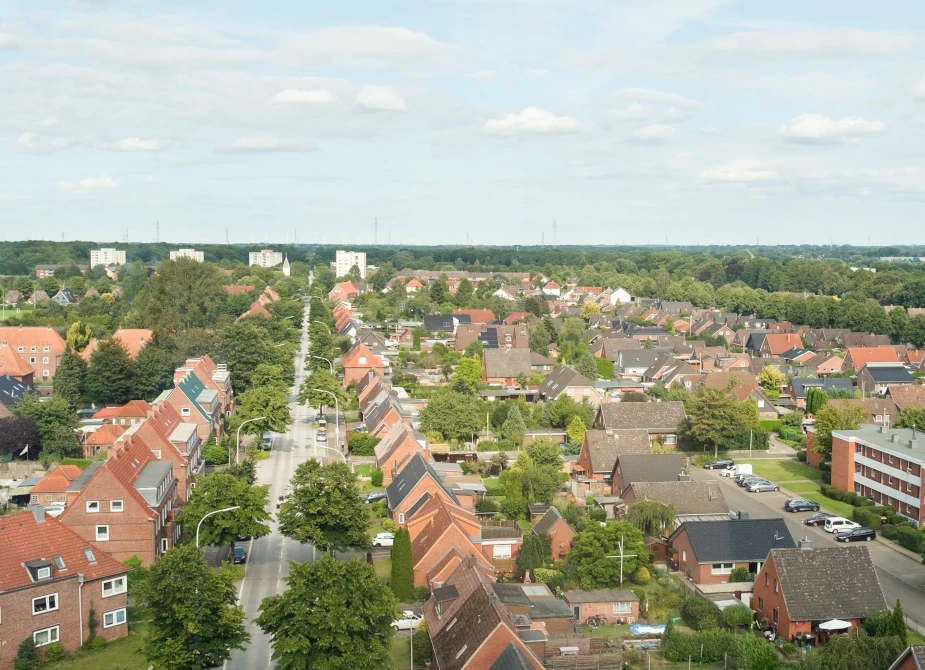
x=363 y=470
x=605 y=632
x=401 y=651
x=834 y=506
x=778 y=470
x=800 y=487
x=383 y=566
x=914 y=638
x=123 y=653
x=524 y=525
x=375 y=526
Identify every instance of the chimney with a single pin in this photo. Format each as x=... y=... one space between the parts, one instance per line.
x=893 y=438
x=38 y=512
x=470 y=560
x=684 y=478
x=492 y=599
x=743 y=515
x=913 y=444
x=805 y=543
x=882 y=429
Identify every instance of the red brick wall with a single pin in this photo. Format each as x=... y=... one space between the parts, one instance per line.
x=699 y=573
x=812 y=457
x=765 y=601
x=561 y=535
x=588 y=610
x=178 y=401
x=426 y=485
x=843 y=464
x=617 y=483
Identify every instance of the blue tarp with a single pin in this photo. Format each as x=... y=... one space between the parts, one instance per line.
x=643 y=629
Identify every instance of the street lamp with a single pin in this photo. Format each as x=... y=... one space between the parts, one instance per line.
x=328 y=360
x=237 y=447
x=322 y=323
x=336 y=451
x=199 y=525
x=336 y=416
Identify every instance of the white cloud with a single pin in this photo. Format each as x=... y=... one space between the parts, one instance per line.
x=50 y=121
x=920 y=89
x=531 y=121
x=819 y=129
x=380 y=98
x=101 y=183
x=484 y=75
x=303 y=96
x=710 y=130
x=815 y=44
x=135 y=144
x=89 y=5
x=38 y=145
x=270 y=145
x=634 y=112
x=654 y=96
x=740 y=172
x=656 y=133
x=368 y=46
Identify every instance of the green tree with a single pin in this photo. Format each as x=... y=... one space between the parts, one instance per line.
x=439 y=293
x=750 y=652
x=15 y=433
x=855 y=652
x=195 y=620
x=589 y=309
x=474 y=349
x=268 y=374
x=738 y=616
x=585 y=364
x=265 y=401
x=815 y=399
x=243 y=346
x=218 y=491
x=701 y=613
x=183 y=294
x=402 y=581
x=576 y=430
x=69 y=378
x=771 y=378
x=915 y=331
x=545 y=451
x=464 y=293
x=321 y=379
x=898 y=619
x=54 y=420
x=27 y=656
x=514 y=427
x=539 y=340
x=651 y=516
x=78 y=336
x=469 y=371
x=454 y=415
x=910 y=417
x=530 y=556
x=832 y=417
x=334 y=615
x=110 y=378
x=716 y=416
x=325 y=508
x=153 y=372
x=593 y=545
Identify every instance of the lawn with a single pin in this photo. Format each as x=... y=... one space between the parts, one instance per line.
x=783 y=470
x=802 y=487
x=401 y=651
x=363 y=469
x=834 y=506
x=375 y=525
x=124 y=654
x=383 y=567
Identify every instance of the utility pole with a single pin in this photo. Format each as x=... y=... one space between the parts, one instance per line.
x=157 y=232
x=376 y=231
x=553 y=232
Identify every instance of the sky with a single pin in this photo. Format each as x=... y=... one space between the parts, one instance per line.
x=454 y=121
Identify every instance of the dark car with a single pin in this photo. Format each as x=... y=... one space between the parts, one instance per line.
x=240 y=554
x=748 y=479
x=375 y=496
x=817 y=519
x=859 y=534
x=800 y=505
x=242 y=538
x=719 y=464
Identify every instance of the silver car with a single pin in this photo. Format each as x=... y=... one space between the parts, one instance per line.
x=762 y=485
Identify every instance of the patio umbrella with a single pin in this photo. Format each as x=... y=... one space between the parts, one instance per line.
x=834 y=624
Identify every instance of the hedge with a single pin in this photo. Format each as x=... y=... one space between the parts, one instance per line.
x=865 y=517
x=889 y=531
x=708 y=645
x=495 y=491
x=910 y=538
x=770 y=425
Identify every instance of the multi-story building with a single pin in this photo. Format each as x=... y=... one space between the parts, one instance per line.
x=266 y=258
x=51 y=582
x=344 y=260
x=38 y=346
x=188 y=253
x=107 y=256
x=883 y=464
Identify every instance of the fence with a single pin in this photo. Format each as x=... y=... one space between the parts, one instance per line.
x=918 y=627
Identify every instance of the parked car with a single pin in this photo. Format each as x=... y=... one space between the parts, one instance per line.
x=375 y=496
x=839 y=524
x=408 y=621
x=859 y=534
x=383 y=540
x=719 y=464
x=360 y=428
x=242 y=538
x=761 y=486
x=748 y=479
x=800 y=505
x=321 y=436
x=240 y=554
x=817 y=519
x=267 y=440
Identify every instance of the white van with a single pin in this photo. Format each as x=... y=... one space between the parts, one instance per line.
x=737 y=469
x=839 y=524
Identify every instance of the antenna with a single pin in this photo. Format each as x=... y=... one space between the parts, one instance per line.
x=376 y=231
x=157 y=232
x=553 y=232
x=126 y=234
x=542 y=239
x=226 y=234
x=390 y=239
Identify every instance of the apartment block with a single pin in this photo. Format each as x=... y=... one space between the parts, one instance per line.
x=188 y=253
x=266 y=258
x=107 y=256
x=344 y=260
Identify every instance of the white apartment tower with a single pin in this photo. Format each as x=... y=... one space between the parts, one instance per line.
x=187 y=253
x=107 y=256
x=266 y=258
x=344 y=260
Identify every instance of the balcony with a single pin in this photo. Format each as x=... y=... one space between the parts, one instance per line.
x=886 y=490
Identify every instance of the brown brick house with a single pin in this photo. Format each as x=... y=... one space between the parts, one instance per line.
x=502 y=366
x=659 y=419
x=172 y=438
x=50 y=578
x=415 y=484
x=102 y=439
x=858 y=357
x=600 y=450
x=53 y=486
x=397 y=447
x=564 y=379
x=436 y=531
x=631 y=468
x=360 y=361
x=559 y=532
x=39 y=346
x=615 y=606
x=797 y=589
x=911 y=659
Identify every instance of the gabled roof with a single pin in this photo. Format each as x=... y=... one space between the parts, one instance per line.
x=256 y=309
x=476 y=315
x=12 y=364
x=906 y=395
x=916 y=652
x=560 y=379
x=691 y=497
x=105 y=435
x=740 y=541
x=828 y=582
x=604 y=449
x=192 y=387
x=796 y=353
x=884 y=373
x=778 y=343
x=649 y=468
x=133 y=340
x=638 y=358
x=548 y=520
x=861 y=356
x=57 y=480
x=801 y=385
x=237 y=289
x=507 y=362
x=436 y=322
x=32 y=336
x=398 y=435
x=416 y=470
x=12 y=391
x=510 y=659
x=651 y=416
x=352 y=357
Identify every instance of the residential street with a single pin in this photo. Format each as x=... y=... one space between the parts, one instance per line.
x=900 y=576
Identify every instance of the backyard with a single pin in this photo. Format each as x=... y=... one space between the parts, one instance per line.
x=124 y=654
x=798 y=478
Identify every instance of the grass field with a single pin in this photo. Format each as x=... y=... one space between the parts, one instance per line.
x=783 y=470
x=383 y=567
x=833 y=506
x=363 y=470
x=401 y=652
x=124 y=654
x=802 y=487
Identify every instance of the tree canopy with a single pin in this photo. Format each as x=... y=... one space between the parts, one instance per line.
x=219 y=491
x=595 y=543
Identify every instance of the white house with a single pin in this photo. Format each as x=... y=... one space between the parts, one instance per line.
x=620 y=296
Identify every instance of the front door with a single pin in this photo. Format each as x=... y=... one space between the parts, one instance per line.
x=576 y=610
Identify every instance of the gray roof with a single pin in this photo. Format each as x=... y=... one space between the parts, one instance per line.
x=508 y=362
x=604 y=449
x=802 y=384
x=550 y=609
x=650 y=468
x=532 y=635
x=434 y=322
x=737 y=540
x=600 y=596
x=652 y=416
x=81 y=480
x=560 y=379
x=641 y=358
x=828 y=583
x=207 y=396
x=693 y=497
x=548 y=520
x=150 y=478
x=889 y=374
x=902 y=442
x=418 y=505
x=510 y=659
x=511 y=594
x=416 y=469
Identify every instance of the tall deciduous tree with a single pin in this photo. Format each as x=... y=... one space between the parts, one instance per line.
x=771 y=378
x=539 y=340
x=717 y=416
x=454 y=415
x=334 y=615
x=266 y=401
x=15 y=433
x=324 y=380
x=651 y=516
x=324 y=508
x=595 y=543
x=530 y=556
x=221 y=490
x=54 y=420
x=576 y=430
x=910 y=417
x=832 y=417
x=545 y=451
x=469 y=371
x=110 y=376
x=69 y=378
x=184 y=294
x=514 y=427
x=243 y=346
x=153 y=372
x=195 y=620
x=78 y=336
x=402 y=578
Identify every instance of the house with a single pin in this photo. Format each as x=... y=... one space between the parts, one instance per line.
x=659 y=419
x=345 y=290
x=798 y=355
x=103 y=438
x=417 y=483
x=257 y=309
x=359 y=362
x=551 y=288
x=617 y=607
x=708 y=551
x=559 y=532
x=399 y=445
x=799 y=387
x=39 y=346
x=634 y=363
x=797 y=589
x=766 y=408
x=620 y=296
x=631 y=468
x=125 y=505
x=858 y=357
x=437 y=527
x=825 y=364
x=503 y=366
x=775 y=344
x=668 y=369
x=13 y=366
x=692 y=500
x=611 y=346
x=471 y=629
x=476 y=315
x=849 y=339
x=564 y=379
x=491 y=336
x=12 y=297
x=437 y=323
x=237 y=289
x=883 y=464
x=600 y=450
x=132 y=339
x=53 y=486
x=51 y=582
x=874 y=378
x=198 y=404
x=720 y=330
x=413 y=286
x=911 y=659
x=383 y=414
x=518 y=317
x=38 y=296
x=907 y=396
x=64 y=297
x=213 y=375
x=540 y=363
x=134 y=411
x=171 y=438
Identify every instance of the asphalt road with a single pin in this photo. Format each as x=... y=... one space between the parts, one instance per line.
x=900 y=576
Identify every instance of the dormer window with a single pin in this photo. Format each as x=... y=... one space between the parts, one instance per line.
x=184 y=411
x=38 y=570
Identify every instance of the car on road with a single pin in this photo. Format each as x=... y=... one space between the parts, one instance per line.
x=267 y=440
x=321 y=436
x=800 y=505
x=375 y=496
x=283 y=498
x=408 y=621
x=839 y=524
x=240 y=554
x=242 y=538
x=761 y=486
x=817 y=519
x=719 y=464
x=859 y=534
x=384 y=540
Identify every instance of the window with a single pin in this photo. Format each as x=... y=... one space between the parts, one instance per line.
x=184 y=411
x=671 y=439
x=776 y=587
x=115 y=506
x=20 y=348
x=45 y=604
x=775 y=615
x=401 y=519
x=114 y=618
x=622 y=608
x=683 y=555
x=460 y=652
x=46 y=348
x=165 y=545
x=89 y=554
x=767 y=579
x=112 y=587
x=891 y=459
x=102 y=533
x=502 y=551
x=45 y=360
x=59 y=562
x=45 y=636
x=93 y=506
x=760 y=604
x=722 y=568
x=157 y=453
x=32 y=348
x=43 y=573
x=32 y=359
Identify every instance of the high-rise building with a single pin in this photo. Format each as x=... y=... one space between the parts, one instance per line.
x=107 y=256
x=344 y=260
x=266 y=258
x=187 y=253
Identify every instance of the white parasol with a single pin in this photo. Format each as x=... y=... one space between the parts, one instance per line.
x=834 y=624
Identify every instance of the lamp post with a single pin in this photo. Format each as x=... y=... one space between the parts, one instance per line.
x=336 y=416
x=237 y=447
x=199 y=525
x=328 y=360
x=338 y=452
x=322 y=323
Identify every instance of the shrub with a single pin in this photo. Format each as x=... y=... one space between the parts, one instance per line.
x=98 y=642
x=791 y=434
x=388 y=525
x=737 y=616
x=789 y=648
x=826 y=477
x=215 y=454
x=362 y=444
x=27 y=656
x=866 y=517
x=801 y=456
x=495 y=491
x=861 y=501
x=514 y=509
x=589 y=500
x=640 y=576
x=889 y=531
x=597 y=514
x=54 y=651
x=700 y=613
x=832 y=492
x=710 y=645
x=910 y=538
x=739 y=575
x=554 y=579
x=851 y=498
x=486 y=505
x=420 y=594
x=376 y=477
x=770 y=425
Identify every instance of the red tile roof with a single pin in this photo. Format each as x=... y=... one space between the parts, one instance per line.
x=352 y=357
x=256 y=310
x=477 y=315
x=107 y=434
x=57 y=480
x=126 y=464
x=237 y=289
x=778 y=343
x=11 y=364
x=861 y=356
x=32 y=336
